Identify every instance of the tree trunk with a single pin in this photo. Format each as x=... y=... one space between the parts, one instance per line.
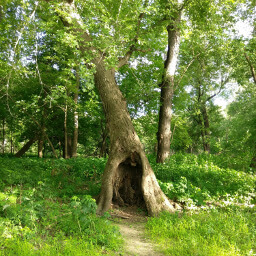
x=3 y=141
x=128 y=177
x=11 y=140
x=251 y=67
x=26 y=147
x=206 y=129
x=42 y=127
x=40 y=147
x=167 y=89
x=60 y=149
x=41 y=139
x=103 y=145
x=75 y=133
x=253 y=162
x=69 y=155
x=65 y=132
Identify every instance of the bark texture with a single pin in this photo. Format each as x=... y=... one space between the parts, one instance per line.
x=128 y=177
x=167 y=89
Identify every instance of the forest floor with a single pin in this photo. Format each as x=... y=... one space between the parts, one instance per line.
x=131 y=222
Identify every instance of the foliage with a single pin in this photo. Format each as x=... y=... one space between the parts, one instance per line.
x=196 y=180
x=46 y=207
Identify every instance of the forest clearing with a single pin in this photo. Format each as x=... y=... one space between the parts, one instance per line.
x=128 y=127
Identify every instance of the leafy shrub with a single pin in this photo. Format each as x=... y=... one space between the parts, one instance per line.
x=190 y=177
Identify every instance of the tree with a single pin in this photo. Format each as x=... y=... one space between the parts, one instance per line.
x=128 y=177
x=167 y=85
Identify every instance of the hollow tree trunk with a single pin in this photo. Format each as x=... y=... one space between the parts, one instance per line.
x=167 y=89
x=128 y=177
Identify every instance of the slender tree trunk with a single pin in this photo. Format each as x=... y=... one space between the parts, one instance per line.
x=65 y=132
x=60 y=149
x=253 y=162
x=41 y=140
x=167 y=89
x=40 y=147
x=251 y=67
x=206 y=129
x=11 y=139
x=76 y=124
x=69 y=155
x=3 y=141
x=26 y=147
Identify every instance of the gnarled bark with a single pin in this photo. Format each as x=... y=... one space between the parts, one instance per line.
x=128 y=177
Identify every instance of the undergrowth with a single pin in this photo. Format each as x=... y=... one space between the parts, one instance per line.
x=197 y=180
x=47 y=207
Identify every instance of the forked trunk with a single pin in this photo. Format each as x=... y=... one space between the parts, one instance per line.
x=128 y=177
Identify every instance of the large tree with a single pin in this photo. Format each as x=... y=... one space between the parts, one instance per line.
x=128 y=176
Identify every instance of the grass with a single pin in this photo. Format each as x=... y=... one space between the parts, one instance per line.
x=47 y=207
x=214 y=232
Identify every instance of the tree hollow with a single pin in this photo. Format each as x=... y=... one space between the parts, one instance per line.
x=127 y=188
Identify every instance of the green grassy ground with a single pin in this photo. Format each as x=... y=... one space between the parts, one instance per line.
x=47 y=208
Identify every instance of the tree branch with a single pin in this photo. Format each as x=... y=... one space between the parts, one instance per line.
x=223 y=82
x=251 y=66
x=125 y=59
x=186 y=69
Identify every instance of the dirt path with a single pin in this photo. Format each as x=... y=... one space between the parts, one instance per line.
x=132 y=228
x=135 y=242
